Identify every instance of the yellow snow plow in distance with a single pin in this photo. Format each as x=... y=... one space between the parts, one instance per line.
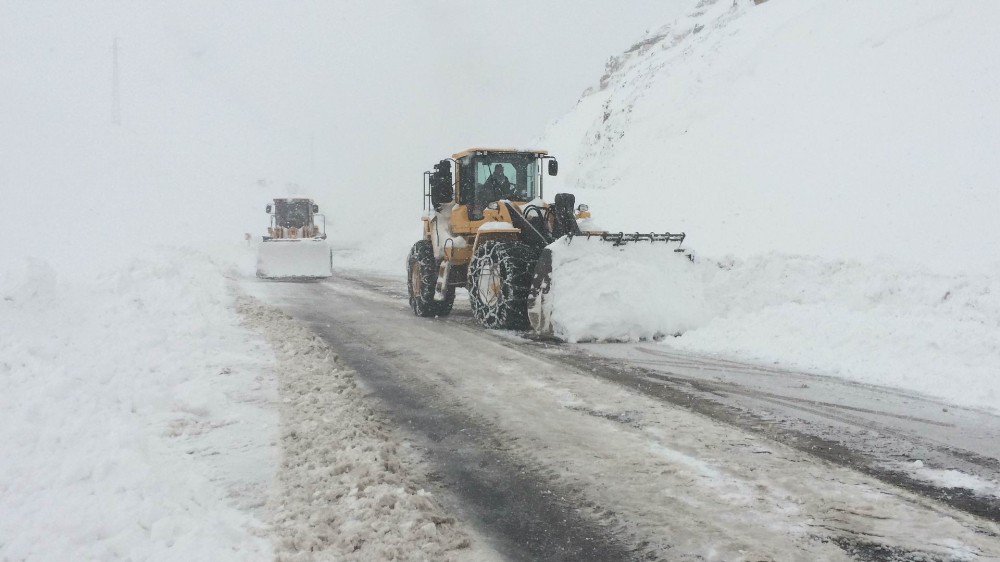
x=295 y=248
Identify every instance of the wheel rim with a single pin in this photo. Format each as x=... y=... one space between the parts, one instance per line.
x=488 y=286
x=416 y=280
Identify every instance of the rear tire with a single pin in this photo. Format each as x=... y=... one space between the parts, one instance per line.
x=499 y=281
x=421 y=277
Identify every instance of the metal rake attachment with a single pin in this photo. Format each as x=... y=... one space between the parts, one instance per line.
x=622 y=238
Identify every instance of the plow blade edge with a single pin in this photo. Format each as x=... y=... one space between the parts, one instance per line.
x=294 y=259
x=615 y=287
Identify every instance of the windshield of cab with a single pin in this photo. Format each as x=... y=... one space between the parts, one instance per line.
x=291 y=214
x=505 y=176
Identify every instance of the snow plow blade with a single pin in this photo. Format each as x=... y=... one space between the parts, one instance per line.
x=615 y=287
x=294 y=259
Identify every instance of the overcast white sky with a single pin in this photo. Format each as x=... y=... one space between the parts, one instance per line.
x=344 y=98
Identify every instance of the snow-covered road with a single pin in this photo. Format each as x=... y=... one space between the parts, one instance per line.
x=558 y=451
x=921 y=443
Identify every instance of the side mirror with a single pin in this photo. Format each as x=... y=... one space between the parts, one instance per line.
x=553 y=167
x=315 y=208
x=267 y=209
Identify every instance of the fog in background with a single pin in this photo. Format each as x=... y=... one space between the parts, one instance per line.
x=225 y=104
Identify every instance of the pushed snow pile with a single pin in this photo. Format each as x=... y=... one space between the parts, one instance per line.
x=133 y=418
x=938 y=335
x=847 y=130
x=874 y=323
x=282 y=259
x=618 y=293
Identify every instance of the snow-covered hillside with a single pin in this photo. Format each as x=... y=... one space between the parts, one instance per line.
x=834 y=166
x=839 y=129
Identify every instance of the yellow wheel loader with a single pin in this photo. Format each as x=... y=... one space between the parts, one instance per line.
x=487 y=229
x=295 y=248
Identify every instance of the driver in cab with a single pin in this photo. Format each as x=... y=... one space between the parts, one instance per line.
x=497 y=186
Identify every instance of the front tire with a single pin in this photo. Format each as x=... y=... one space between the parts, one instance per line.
x=499 y=281
x=421 y=277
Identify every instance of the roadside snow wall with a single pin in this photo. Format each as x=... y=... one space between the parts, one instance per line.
x=916 y=330
x=930 y=333
x=136 y=417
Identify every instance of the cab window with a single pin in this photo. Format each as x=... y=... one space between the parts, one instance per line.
x=499 y=176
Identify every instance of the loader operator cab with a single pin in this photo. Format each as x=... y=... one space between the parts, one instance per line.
x=292 y=213
x=294 y=217
x=294 y=247
x=492 y=176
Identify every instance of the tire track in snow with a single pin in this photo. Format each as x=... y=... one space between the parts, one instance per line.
x=691 y=394
x=518 y=505
x=787 y=502
x=863 y=443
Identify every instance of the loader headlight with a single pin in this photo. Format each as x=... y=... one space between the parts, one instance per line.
x=494 y=206
x=582 y=208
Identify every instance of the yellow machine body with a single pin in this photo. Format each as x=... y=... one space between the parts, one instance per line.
x=486 y=228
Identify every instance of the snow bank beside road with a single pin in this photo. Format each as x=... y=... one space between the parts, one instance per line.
x=874 y=323
x=345 y=490
x=118 y=398
x=139 y=419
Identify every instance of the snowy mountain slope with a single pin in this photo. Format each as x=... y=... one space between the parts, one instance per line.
x=841 y=129
x=833 y=165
